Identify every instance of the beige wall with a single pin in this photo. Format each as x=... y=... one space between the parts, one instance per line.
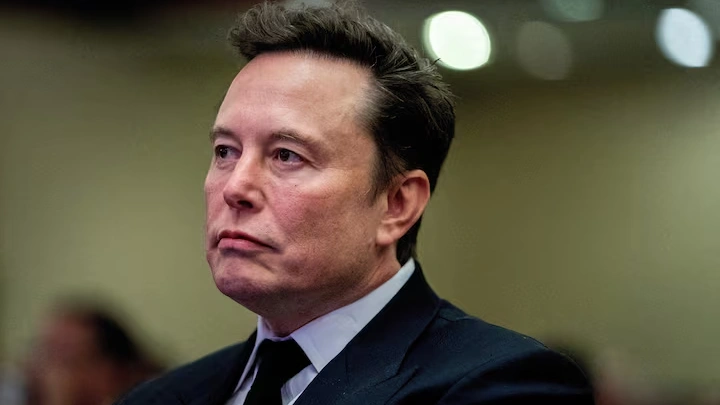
x=582 y=211
x=592 y=212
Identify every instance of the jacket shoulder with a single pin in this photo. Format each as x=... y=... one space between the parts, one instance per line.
x=458 y=329
x=467 y=360
x=190 y=380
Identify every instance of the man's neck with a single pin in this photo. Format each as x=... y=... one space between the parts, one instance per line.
x=295 y=318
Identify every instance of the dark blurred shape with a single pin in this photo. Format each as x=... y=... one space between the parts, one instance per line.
x=616 y=381
x=90 y=10
x=102 y=12
x=84 y=356
x=576 y=353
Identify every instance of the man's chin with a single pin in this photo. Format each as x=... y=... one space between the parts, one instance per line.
x=240 y=287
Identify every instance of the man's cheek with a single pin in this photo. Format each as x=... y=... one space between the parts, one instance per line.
x=297 y=212
x=214 y=205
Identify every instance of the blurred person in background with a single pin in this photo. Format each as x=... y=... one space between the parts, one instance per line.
x=327 y=147
x=617 y=380
x=84 y=356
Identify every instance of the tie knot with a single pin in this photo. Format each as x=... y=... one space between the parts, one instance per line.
x=278 y=362
x=282 y=359
x=285 y=354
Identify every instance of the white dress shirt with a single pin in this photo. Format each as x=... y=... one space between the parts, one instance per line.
x=323 y=338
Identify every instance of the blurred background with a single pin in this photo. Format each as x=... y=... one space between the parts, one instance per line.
x=579 y=202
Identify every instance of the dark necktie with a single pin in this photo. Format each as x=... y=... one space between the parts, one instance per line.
x=279 y=361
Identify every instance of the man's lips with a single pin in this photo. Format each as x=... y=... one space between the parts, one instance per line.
x=240 y=241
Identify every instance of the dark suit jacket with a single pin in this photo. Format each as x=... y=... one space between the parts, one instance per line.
x=418 y=350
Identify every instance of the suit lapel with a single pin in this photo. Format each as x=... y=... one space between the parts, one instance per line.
x=224 y=378
x=368 y=369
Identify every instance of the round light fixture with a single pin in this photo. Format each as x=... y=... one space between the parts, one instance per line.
x=684 y=37
x=457 y=39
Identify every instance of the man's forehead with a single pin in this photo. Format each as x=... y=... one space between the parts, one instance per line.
x=302 y=73
x=297 y=87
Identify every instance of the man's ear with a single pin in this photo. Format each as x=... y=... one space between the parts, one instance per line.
x=406 y=201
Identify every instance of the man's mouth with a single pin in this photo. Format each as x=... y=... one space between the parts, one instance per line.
x=230 y=239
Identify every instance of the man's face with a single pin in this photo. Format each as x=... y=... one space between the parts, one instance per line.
x=290 y=219
x=67 y=367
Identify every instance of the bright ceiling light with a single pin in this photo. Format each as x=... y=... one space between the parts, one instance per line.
x=710 y=12
x=459 y=40
x=684 y=37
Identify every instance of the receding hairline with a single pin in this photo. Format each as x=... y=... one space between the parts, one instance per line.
x=366 y=107
x=312 y=52
x=364 y=110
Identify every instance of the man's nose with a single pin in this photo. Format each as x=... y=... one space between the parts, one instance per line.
x=243 y=189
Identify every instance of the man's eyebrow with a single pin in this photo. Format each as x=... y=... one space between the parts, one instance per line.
x=284 y=134
x=290 y=135
x=221 y=132
x=311 y=144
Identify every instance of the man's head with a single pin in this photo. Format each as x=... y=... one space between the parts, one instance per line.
x=410 y=112
x=83 y=356
x=327 y=147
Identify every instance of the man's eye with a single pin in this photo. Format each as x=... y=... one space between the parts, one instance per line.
x=222 y=151
x=285 y=155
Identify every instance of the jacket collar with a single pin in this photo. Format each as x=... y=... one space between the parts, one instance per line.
x=369 y=364
x=220 y=383
x=372 y=360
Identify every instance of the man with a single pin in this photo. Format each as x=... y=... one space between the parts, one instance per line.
x=327 y=147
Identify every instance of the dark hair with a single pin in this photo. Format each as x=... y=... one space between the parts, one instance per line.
x=411 y=114
x=113 y=340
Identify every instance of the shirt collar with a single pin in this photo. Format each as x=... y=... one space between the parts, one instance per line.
x=325 y=337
